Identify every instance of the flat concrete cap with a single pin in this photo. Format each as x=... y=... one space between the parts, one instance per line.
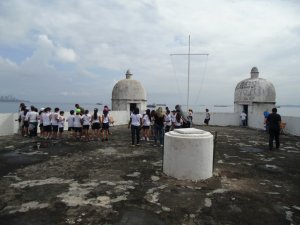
x=189 y=133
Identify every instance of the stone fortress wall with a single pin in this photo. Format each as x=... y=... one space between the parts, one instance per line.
x=8 y=125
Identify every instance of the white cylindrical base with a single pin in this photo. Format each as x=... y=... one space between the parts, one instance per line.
x=188 y=154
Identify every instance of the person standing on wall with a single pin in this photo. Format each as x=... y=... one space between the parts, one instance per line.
x=273 y=122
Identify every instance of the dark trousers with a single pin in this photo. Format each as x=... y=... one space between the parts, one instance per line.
x=159 y=133
x=33 y=132
x=274 y=134
x=167 y=128
x=135 y=132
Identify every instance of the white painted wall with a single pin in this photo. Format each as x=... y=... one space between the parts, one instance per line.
x=218 y=118
x=292 y=125
x=8 y=125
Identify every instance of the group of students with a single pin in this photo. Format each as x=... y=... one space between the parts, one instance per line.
x=154 y=124
x=52 y=123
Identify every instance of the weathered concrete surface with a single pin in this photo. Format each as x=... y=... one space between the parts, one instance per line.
x=69 y=182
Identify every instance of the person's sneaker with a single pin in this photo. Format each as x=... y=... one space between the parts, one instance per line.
x=132 y=145
x=137 y=144
x=161 y=145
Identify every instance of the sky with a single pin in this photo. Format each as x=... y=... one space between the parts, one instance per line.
x=76 y=51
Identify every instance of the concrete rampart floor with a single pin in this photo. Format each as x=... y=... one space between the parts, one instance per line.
x=71 y=182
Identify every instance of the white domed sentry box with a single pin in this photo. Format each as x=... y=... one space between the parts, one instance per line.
x=128 y=94
x=254 y=96
x=188 y=154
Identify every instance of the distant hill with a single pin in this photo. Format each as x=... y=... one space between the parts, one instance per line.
x=10 y=98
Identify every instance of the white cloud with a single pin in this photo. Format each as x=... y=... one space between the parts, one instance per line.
x=66 y=55
x=79 y=41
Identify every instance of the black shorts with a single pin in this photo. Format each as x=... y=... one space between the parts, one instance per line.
x=54 y=128
x=25 y=124
x=86 y=127
x=206 y=121
x=146 y=127
x=78 y=129
x=41 y=125
x=105 y=126
x=70 y=128
x=95 y=126
x=47 y=128
x=61 y=129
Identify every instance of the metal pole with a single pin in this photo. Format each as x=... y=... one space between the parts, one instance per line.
x=188 y=90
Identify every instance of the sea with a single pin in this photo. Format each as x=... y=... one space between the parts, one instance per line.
x=13 y=107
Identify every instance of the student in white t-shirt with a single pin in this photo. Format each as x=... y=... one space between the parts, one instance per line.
x=32 y=118
x=86 y=122
x=77 y=124
x=54 y=123
x=96 y=119
x=168 y=121
x=46 y=122
x=61 y=123
x=173 y=119
x=70 y=121
x=135 y=122
x=105 y=124
x=146 y=121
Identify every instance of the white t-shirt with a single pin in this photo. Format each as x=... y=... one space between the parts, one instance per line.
x=77 y=121
x=61 y=121
x=168 y=120
x=46 y=119
x=32 y=116
x=86 y=119
x=207 y=115
x=177 y=124
x=54 y=119
x=243 y=116
x=136 y=119
x=173 y=117
x=105 y=119
x=146 y=120
x=95 y=120
x=70 y=120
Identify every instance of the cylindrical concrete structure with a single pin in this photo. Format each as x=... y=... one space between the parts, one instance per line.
x=188 y=154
